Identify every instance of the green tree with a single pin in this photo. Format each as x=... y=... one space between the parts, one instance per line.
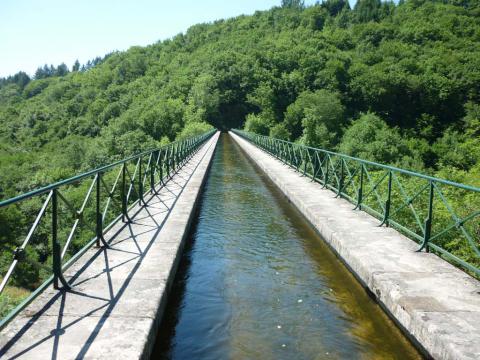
x=369 y=137
x=61 y=70
x=367 y=10
x=317 y=116
x=257 y=124
x=279 y=131
x=76 y=66
x=194 y=129
x=453 y=150
x=334 y=7
x=164 y=117
x=203 y=100
x=293 y=4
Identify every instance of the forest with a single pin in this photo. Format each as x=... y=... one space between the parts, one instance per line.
x=393 y=83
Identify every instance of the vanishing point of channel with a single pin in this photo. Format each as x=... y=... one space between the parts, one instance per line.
x=257 y=282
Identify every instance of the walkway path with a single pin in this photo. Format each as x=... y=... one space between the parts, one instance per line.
x=438 y=304
x=118 y=294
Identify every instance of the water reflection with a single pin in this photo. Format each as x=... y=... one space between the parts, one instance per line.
x=258 y=282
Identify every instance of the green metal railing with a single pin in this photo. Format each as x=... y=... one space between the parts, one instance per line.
x=69 y=212
x=441 y=215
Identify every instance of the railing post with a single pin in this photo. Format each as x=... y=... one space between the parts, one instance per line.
x=327 y=171
x=340 y=182
x=182 y=152
x=124 y=193
x=167 y=160
x=428 y=221
x=140 y=181
x=314 y=165
x=160 y=164
x=56 y=250
x=297 y=163
x=360 y=190
x=152 y=172
x=386 y=216
x=290 y=155
x=179 y=155
x=182 y=149
x=304 y=159
x=174 y=153
x=98 y=228
x=175 y=158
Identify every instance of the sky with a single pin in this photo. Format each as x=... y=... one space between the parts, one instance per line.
x=37 y=32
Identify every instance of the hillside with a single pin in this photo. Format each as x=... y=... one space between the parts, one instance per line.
x=395 y=84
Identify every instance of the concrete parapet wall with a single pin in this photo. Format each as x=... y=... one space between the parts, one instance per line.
x=118 y=294
x=436 y=304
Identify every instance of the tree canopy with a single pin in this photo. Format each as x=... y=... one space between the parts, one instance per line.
x=303 y=73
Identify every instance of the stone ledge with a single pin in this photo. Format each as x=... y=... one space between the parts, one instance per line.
x=436 y=304
x=119 y=294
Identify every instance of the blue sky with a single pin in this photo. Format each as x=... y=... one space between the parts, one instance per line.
x=37 y=32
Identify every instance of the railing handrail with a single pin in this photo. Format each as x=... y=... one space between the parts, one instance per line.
x=163 y=162
x=76 y=178
x=368 y=162
x=394 y=203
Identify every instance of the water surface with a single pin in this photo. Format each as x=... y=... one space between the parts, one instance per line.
x=257 y=282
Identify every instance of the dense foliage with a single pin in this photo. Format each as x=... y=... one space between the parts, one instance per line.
x=408 y=73
x=398 y=84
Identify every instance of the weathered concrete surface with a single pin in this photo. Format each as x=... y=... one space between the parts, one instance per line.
x=119 y=294
x=437 y=304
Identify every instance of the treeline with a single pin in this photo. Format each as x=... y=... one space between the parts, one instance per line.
x=391 y=83
x=62 y=69
x=21 y=79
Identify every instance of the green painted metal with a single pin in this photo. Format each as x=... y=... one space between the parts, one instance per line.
x=154 y=166
x=397 y=197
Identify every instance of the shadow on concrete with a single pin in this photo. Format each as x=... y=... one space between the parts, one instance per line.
x=144 y=215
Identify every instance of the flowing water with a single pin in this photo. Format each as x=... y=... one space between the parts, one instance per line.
x=257 y=282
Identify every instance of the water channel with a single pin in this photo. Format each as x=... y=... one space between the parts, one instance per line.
x=257 y=282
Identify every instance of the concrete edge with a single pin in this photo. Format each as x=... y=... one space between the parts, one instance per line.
x=175 y=228
x=326 y=233
x=183 y=235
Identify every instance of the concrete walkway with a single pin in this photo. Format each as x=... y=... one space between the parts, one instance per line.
x=436 y=303
x=118 y=295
